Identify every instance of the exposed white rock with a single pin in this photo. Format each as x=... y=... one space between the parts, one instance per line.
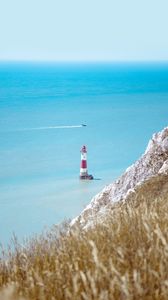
x=164 y=168
x=153 y=162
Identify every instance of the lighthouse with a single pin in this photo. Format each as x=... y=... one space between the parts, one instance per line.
x=83 y=167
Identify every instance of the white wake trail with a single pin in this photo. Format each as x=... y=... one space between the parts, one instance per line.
x=50 y=127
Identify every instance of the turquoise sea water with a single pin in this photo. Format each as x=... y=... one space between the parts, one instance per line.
x=122 y=105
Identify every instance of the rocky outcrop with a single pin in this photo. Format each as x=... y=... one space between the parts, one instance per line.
x=153 y=163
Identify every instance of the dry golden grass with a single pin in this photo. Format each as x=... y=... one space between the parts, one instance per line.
x=125 y=257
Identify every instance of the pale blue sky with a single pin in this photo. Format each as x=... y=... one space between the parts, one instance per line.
x=84 y=30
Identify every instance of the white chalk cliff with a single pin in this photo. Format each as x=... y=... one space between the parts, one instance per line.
x=153 y=162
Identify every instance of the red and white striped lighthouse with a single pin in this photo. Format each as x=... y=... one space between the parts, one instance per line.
x=83 y=166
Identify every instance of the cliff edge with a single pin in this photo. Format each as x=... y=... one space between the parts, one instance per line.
x=150 y=170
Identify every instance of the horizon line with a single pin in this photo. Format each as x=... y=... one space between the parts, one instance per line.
x=80 y=61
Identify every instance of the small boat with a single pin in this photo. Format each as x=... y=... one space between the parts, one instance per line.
x=84 y=125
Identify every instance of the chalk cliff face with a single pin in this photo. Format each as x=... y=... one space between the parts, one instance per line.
x=154 y=162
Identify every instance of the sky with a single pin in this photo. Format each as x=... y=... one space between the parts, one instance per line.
x=84 y=30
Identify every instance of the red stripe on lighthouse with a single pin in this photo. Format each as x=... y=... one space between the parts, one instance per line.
x=83 y=164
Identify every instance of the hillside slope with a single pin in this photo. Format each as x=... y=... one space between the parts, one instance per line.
x=153 y=162
x=122 y=258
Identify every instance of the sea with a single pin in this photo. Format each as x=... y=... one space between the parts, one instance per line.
x=42 y=109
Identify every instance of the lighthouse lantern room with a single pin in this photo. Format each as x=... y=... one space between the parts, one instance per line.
x=83 y=167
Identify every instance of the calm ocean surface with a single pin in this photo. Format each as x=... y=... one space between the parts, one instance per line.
x=122 y=105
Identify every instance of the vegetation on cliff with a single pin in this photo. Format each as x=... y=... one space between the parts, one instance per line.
x=123 y=257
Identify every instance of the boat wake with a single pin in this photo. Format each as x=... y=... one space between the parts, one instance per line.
x=51 y=127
